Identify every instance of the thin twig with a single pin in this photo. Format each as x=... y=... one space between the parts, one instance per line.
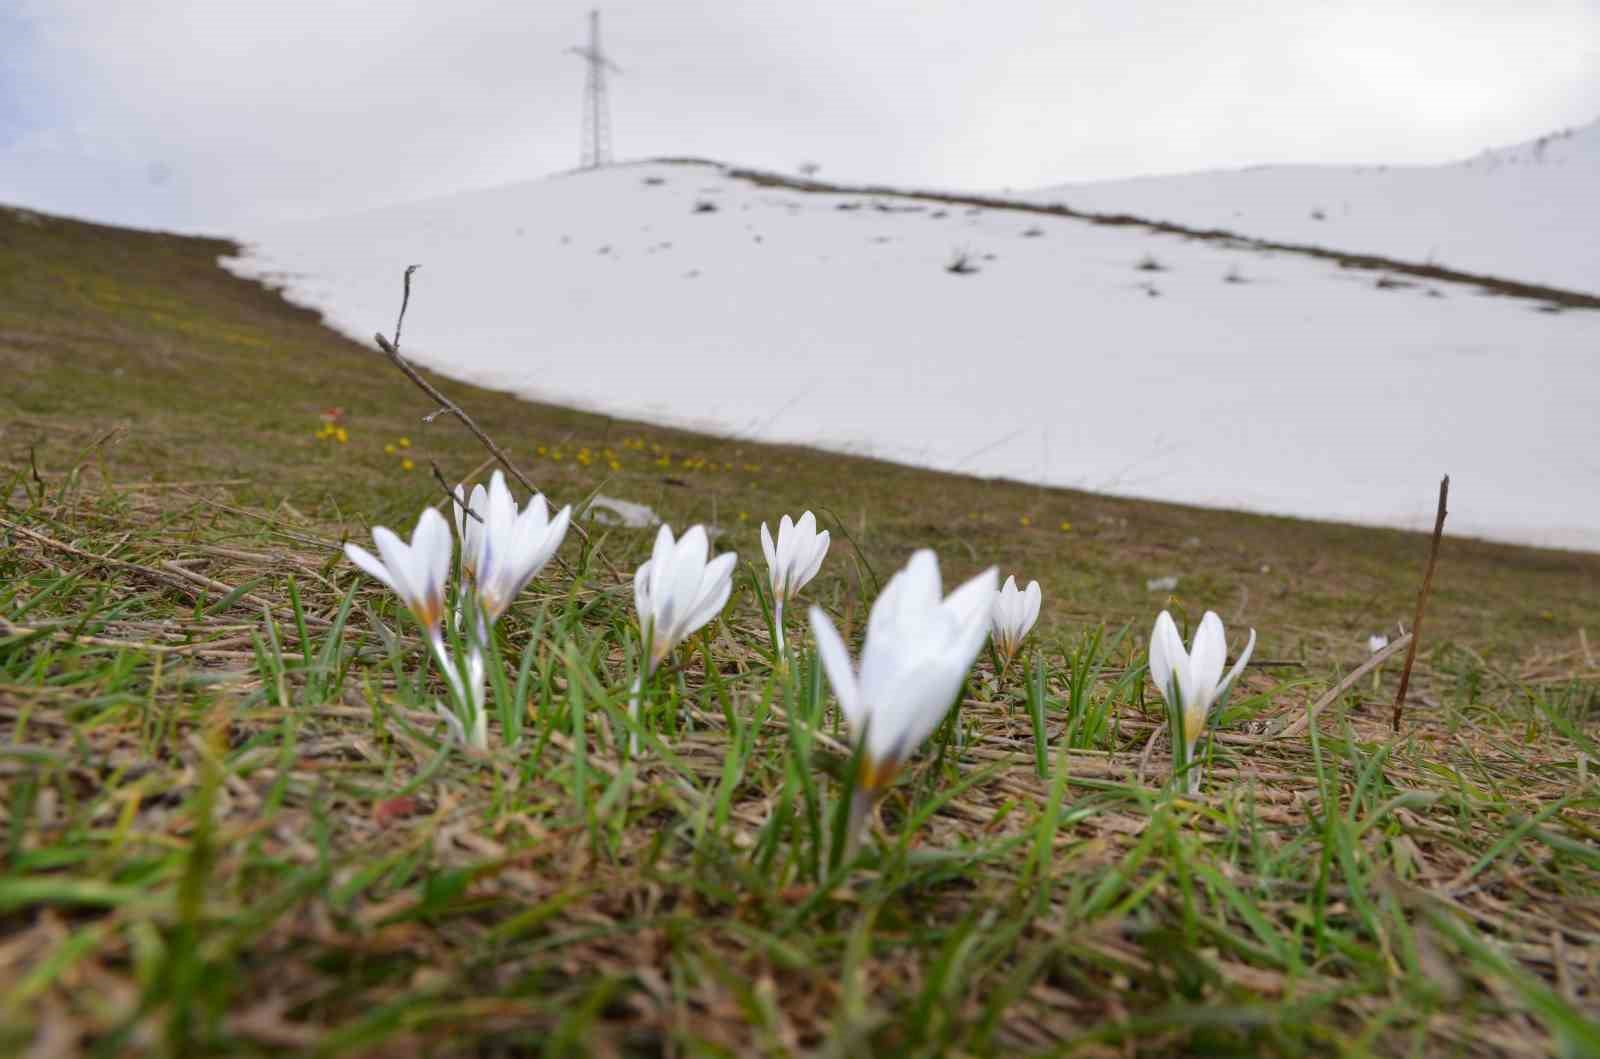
x=173 y=576
x=33 y=466
x=1422 y=601
x=391 y=349
x=405 y=301
x=1301 y=723
x=450 y=494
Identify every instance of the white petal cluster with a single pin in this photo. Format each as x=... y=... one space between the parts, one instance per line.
x=1013 y=616
x=918 y=649
x=1194 y=676
x=416 y=572
x=502 y=549
x=507 y=548
x=678 y=590
x=794 y=559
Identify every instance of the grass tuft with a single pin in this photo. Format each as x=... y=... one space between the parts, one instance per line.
x=234 y=825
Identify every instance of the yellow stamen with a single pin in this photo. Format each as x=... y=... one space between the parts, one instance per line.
x=874 y=776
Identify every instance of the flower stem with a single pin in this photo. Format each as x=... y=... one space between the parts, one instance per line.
x=861 y=805
x=448 y=667
x=633 y=712
x=478 y=733
x=777 y=625
x=1192 y=768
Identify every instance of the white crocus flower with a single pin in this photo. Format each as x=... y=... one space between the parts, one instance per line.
x=501 y=551
x=1194 y=677
x=792 y=562
x=416 y=573
x=676 y=592
x=918 y=648
x=1014 y=613
x=511 y=547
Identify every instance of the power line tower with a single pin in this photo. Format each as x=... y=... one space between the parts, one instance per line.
x=596 y=147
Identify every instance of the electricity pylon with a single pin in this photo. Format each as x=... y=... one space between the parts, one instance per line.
x=596 y=147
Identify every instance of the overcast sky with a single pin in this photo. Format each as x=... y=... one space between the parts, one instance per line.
x=214 y=115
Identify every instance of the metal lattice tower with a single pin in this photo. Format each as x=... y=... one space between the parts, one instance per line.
x=596 y=147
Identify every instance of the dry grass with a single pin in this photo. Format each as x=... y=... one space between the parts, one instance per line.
x=233 y=828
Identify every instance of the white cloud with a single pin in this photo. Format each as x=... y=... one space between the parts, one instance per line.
x=209 y=115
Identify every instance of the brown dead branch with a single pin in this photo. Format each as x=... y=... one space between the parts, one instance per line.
x=1422 y=601
x=391 y=349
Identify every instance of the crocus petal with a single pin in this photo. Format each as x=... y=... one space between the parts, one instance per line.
x=786 y=536
x=974 y=598
x=556 y=534
x=502 y=506
x=1169 y=662
x=694 y=545
x=770 y=551
x=397 y=559
x=715 y=587
x=457 y=506
x=432 y=545
x=931 y=691
x=1238 y=667
x=468 y=528
x=919 y=581
x=681 y=591
x=539 y=547
x=371 y=565
x=641 y=594
x=1032 y=600
x=836 y=663
x=1003 y=619
x=819 y=553
x=1209 y=655
x=936 y=680
x=661 y=564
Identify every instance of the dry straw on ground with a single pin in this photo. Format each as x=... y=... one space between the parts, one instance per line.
x=232 y=826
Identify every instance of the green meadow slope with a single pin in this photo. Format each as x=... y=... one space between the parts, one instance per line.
x=233 y=827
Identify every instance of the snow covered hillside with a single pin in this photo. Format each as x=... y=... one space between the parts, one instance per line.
x=1108 y=358
x=1529 y=212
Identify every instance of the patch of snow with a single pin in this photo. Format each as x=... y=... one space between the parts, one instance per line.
x=1311 y=390
x=609 y=511
x=1529 y=212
